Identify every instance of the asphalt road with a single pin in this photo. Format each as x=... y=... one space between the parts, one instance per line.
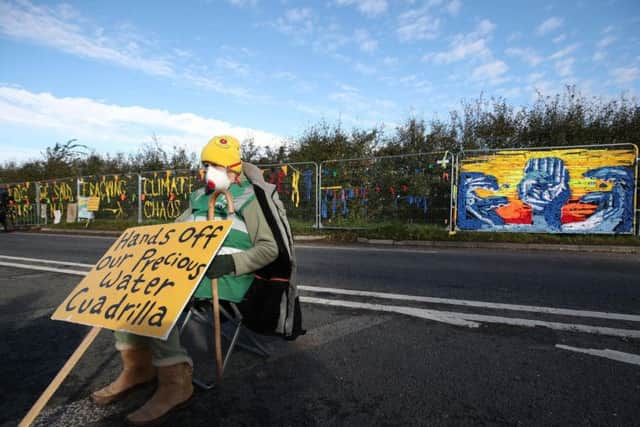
x=366 y=365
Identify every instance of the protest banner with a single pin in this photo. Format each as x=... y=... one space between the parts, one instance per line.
x=83 y=208
x=93 y=204
x=144 y=281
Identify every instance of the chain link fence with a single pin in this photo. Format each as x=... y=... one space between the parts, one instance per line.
x=164 y=195
x=297 y=187
x=360 y=193
x=54 y=197
x=412 y=188
x=118 y=195
x=24 y=210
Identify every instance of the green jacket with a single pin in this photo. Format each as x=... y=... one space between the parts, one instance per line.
x=250 y=240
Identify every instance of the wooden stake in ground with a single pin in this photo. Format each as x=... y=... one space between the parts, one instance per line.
x=214 y=282
x=53 y=386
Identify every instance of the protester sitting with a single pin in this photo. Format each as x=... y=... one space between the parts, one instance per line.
x=249 y=246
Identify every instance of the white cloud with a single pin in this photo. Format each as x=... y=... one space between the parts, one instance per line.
x=242 y=3
x=600 y=54
x=364 y=69
x=534 y=77
x=464 y=46
x=233 y=66
x=108 y=127
x=564 y=67
x=297 y=22
x=454 y=7
x=559 y=39
x=605 y=41
x=490 y=71
x=460 y=49
x=563 y=52
x=48 y=26
x=624 y=75
x=514 y=37
x=528 y=55
x=414 y=83
x=352 y=100
x=485 y=27
x=549 y=25
x=285 y=75
x=366 y=7
x=417 y=24
x=513 y=92
x=364 y=40
x=390 y=61
x=330 y=39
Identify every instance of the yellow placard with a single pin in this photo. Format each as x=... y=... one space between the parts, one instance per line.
x=145 y=279
x=93 y=204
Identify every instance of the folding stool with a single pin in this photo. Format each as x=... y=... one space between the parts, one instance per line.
x=233 y=330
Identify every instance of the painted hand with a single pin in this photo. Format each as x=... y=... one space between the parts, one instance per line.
x=545 y=187
x=615 y=207
x=482 y=208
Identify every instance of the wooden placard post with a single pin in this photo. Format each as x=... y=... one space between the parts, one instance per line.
x=140 y=285
x=214 y=282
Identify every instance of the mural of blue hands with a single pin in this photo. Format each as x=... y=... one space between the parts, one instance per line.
x=545 y=187
x=478 y=212
x=615 y=208
x=549 y=190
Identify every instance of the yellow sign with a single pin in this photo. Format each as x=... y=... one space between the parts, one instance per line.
x=93 y=204
x=145 y=279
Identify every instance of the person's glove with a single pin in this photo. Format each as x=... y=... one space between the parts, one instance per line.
x=221 y=265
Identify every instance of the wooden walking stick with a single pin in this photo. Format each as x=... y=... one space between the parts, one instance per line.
x=53 y=386
x=214 y=282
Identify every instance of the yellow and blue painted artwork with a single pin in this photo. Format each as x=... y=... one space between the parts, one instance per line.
x=572 y=190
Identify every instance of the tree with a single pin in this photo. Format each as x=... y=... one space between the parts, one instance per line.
x=63 y=160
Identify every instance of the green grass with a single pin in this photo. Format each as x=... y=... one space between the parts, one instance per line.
x=399 y=231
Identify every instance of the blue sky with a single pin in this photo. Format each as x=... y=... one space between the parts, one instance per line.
x=114 y=74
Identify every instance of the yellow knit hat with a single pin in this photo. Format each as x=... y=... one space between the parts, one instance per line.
x=223 y=150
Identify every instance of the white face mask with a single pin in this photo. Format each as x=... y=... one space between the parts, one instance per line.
x=216 y=179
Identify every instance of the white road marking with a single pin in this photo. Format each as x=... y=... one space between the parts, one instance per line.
x=480 y=304
x=36 y=267
x=469 y=320
x=70 y=235
x=572 y=327
x=453 y=318
x=45 y=261
x=435 y=315
x=620 y=356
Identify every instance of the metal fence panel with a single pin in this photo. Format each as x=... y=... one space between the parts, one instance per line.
x=24 y=210
x=118 y=195
x=586 y=190
x=55 y=197
x=164 y=195
x=412 y=188
x=297 y=186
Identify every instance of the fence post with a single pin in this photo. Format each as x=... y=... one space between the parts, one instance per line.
x=140 y=198
x=38 y=205
x=319 y=193
x=78 y=182
x=453 y=193
x=317 y=197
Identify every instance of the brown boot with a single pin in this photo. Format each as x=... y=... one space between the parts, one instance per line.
x=136 y=370
x=174 y=390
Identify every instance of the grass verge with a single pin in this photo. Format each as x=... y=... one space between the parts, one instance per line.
x=401 y=231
